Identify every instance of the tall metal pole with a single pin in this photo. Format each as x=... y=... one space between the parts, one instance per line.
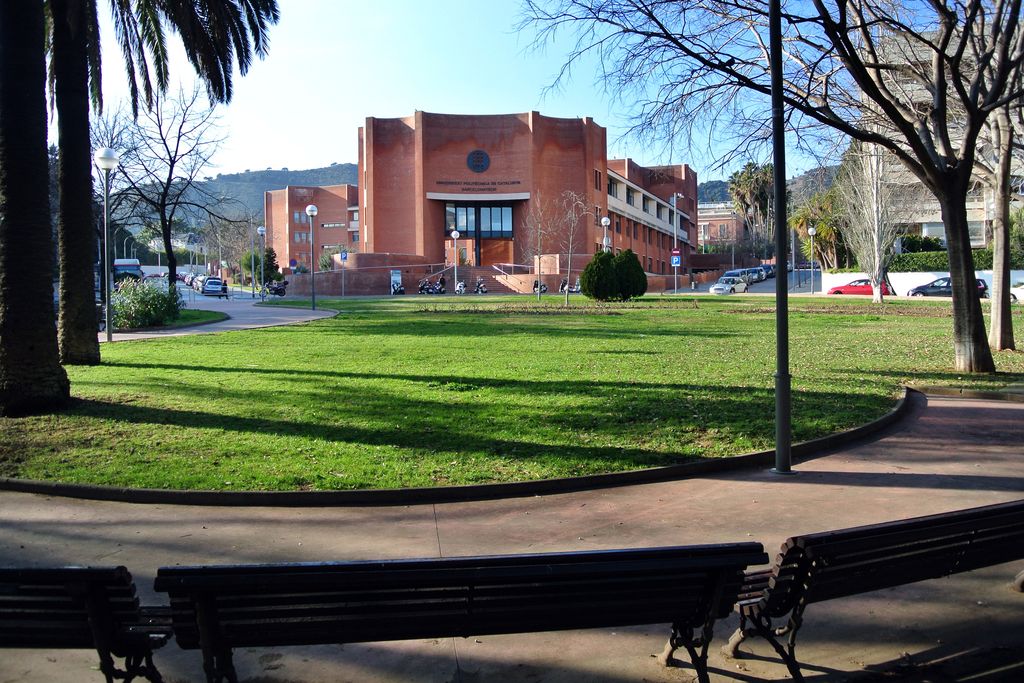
x=675 y=245
x=783 y=380
x=263 y=275
x=252 y=259
x=108 y=318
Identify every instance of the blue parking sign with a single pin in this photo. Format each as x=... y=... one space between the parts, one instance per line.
x=344 y=256
x=677 y=261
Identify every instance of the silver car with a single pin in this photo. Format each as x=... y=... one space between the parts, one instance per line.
x=728 y=285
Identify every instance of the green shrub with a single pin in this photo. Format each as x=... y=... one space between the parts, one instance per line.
x=939 y=261
x=598 y=281
x=630 y=275
x=919 y=243
x=136 y=304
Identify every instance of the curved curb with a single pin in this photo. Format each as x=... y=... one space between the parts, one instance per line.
x=952 y=392
x=806 y=450
x=143 y=330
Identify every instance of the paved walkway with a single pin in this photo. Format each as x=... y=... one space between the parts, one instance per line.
x=947 y=454
x=243 y=311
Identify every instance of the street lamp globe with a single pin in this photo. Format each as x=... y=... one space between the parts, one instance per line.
x=311 y=210
x=605 y=222
x=106 y=159
x=261 y=231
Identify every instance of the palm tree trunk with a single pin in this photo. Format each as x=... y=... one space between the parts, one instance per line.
x=970 y=345
x=31 y=378
x=76 y=330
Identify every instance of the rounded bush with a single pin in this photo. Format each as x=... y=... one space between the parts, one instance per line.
x=598 y=281
x=630 y=275
x=136 y=304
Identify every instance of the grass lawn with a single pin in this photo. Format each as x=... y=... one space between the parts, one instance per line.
x=417 y=391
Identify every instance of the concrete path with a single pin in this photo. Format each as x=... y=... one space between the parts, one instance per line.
x=244 y=313
x=947 y=454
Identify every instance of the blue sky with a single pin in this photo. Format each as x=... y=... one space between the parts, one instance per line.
x=332 y=63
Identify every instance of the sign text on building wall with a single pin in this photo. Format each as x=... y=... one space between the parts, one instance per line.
x=479 y=185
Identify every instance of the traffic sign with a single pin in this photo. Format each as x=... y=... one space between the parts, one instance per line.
x=676 y=252
x=676 y=260
x=344 y=256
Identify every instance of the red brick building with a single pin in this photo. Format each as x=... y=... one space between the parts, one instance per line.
x=288 y=227
x=492 y=178
x=426 y=174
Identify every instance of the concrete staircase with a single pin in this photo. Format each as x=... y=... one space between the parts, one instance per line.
x=469 y=274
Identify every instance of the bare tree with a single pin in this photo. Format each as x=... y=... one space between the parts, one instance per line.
x=574 y=208
x=876 y=71
x=165 y=154
x=870 y=205
x=994 y=166
x=532 y=239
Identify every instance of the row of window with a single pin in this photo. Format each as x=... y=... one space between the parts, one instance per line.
x=478 y=221
x=646 y=203
x=650 y=235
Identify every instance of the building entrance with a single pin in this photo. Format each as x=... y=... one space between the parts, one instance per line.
x=478 y=222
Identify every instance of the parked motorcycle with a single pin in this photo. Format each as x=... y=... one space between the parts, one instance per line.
x=397 y=288
x=480 y=288
x=428 y=287
x=565 y=285
x=276 y=288
x=537 y=284
x=460 y=287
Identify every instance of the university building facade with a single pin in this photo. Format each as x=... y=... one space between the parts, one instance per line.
x=493 y=179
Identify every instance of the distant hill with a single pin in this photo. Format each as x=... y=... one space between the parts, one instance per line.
x=713 y=191
x=816 y=180
x=248 y=187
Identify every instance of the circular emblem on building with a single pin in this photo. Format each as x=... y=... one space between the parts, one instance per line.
x=478 y=161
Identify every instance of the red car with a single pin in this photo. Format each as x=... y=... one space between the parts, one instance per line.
x=860 y=287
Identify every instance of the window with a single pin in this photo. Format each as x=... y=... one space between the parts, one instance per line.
x=650 y=265
x=659 y=211
x=635 y=232
x=597 y=248
x=479 y=221
x=721 y=231
x=613 y=188
x=630 y=198
x=618 y=224
x=646 y=204
x=355 y=236
x=597 y=180
x=355 y=216
x=296 y=217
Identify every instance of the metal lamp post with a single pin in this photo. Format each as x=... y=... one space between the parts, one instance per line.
x=262 y=232
x=812 y=232
x=252 y=259
x=605 y=222
x=455 y=259
x=312 y=211
x=106 y=160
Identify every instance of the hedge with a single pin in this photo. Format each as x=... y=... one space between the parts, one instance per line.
x=939 y=261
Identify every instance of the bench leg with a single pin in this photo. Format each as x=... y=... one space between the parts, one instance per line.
x=698 y=657
x=1018 y=583
x=732 y=648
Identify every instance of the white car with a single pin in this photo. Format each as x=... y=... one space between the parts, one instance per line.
x=1017 y=292
x=728 y=285
x=213 y=286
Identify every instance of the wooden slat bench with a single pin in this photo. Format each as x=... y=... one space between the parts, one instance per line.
x=79 y=608
x=835 y=564
x=219 y=608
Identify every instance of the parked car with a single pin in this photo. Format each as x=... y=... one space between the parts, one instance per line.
x=728 y=285
x=214 y=286
x=769 y=270
x=860 y=287
x=944 y=287
x=757 y=274
x=1017 y=292
x=740 y=273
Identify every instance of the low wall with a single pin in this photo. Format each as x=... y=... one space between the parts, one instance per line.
x=365 y=274
x=904 y=282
